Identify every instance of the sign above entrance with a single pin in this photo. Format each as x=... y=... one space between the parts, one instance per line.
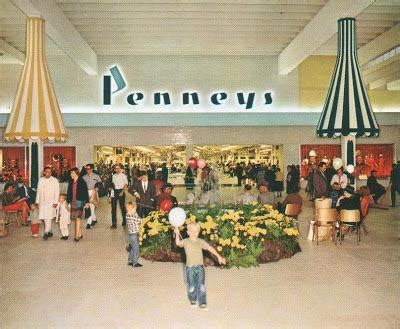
x=196 y=100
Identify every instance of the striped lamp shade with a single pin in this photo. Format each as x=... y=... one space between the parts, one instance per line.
x=35 y=113
x=347 y=110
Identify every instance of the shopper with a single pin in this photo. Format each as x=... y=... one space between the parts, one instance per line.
x=145 y=194
x=320 y=183
x=63 y=216
x=12 y=202
x=77 y=198
x=92 y=180
x=48 y=192
x=194 y=263
x=120 y=182
x=133 y=221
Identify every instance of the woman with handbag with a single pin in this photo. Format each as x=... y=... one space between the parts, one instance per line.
x=78 y=198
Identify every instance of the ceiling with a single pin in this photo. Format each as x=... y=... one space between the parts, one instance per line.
x=189 y=27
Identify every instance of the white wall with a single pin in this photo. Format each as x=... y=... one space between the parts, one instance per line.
x=77 y=91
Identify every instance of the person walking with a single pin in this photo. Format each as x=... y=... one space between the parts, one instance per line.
x=120 y=182
x=239 y=173
x=320 y=182
x=77 y=198
x=91 y=179
x=47 y=194
x=164 y=173
x=394 y=183
x=145 y=194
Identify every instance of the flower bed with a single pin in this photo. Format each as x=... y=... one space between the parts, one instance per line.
x=245 y=236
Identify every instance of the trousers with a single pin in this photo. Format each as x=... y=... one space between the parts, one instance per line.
x=64 y=228
x=121 y=199
x=47 y=225
x=134 y=252
x=196 y=288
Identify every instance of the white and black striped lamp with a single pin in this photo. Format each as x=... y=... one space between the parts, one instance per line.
x=347 y=111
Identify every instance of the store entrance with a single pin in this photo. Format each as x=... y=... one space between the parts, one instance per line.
x=222 y=158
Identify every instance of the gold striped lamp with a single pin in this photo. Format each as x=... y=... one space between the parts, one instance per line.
x=35 y=114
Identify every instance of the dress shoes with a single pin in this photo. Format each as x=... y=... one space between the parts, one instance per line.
x=45 y=236
x=138 y=265
x=94 y=223
x=50 y=234
x=130 y=264
x=88 y=227
x=113 y=226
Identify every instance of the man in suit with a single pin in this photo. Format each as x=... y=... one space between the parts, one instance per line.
x=145 y=194
x=26 y=192
x=164 y=173
x=320 y=181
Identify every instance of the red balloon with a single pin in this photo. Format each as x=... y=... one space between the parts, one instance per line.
x=166 y=205
x=192 y=163
x=201 y=163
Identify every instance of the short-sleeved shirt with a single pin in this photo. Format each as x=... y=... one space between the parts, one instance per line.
x=193 y=250
x=91 y=180
x=119 y=180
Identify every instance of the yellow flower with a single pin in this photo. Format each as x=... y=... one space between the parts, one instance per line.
x=291 y=231
x=208 y=225
x=219 y=248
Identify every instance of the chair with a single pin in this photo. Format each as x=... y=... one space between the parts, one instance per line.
x=3 y=228
x=325 y=217
x=10 y=214
x=350 y=218
x=293 y=210
x=322 y=203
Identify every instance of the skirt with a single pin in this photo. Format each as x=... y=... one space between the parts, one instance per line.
x=76 y=209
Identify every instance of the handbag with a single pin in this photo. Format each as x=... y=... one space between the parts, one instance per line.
x=88 y=212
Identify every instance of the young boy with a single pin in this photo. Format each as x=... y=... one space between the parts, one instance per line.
x=34 y=218
x=194 y=263
x=63 y=216
x=133 y=222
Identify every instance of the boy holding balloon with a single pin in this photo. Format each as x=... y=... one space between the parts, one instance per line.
x=194 y=261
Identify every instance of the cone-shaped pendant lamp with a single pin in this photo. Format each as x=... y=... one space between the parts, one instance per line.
x=35 y=114
x=347 y=110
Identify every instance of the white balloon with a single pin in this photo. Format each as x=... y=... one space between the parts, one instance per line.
x=350 y=168
x=177 y=216
x=337 y=163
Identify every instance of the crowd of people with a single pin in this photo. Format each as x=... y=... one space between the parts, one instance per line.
x=151 y=191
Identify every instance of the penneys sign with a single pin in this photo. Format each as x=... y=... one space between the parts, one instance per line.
x=246 y=100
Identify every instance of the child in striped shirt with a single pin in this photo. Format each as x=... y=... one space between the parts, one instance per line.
x=133 y=222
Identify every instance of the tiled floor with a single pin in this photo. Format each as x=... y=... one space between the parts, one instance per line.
x=62 y=284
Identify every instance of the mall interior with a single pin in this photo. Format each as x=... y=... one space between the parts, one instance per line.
x=141 y=82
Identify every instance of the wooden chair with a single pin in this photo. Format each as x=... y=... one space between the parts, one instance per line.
x=325 y=217
x=324 y=203
x=350 y=218
x=12 y=214
x=3 y=228
x=293 y=210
